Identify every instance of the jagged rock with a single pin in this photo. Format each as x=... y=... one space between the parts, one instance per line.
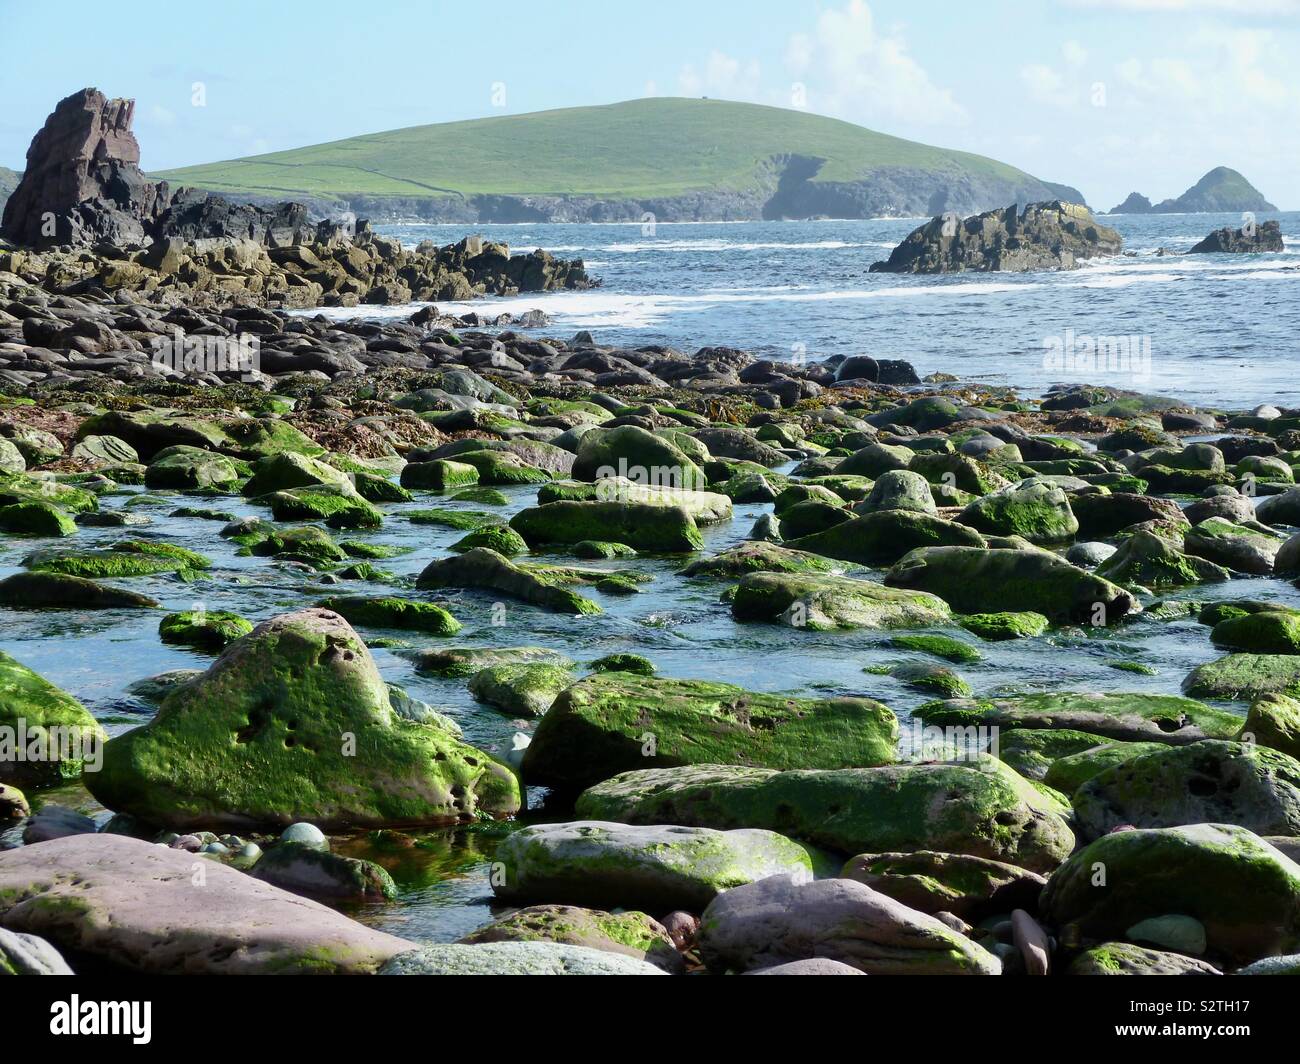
x=1044 y=236
x=1267 y=236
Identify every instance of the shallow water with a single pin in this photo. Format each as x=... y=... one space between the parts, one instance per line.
x=1224 y=330
x=679 y=624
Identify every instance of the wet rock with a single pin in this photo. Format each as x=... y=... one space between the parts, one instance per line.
x=656 y=868
x=780 y=919
x=931 y=882
x=485 y=569
x=262 y=738
x=1124 y=958
x=307 y=870
x=148 y=909
x=629 y=934
x=22 y=954
x=826 y=602
x=615 y=721
x=516 y=958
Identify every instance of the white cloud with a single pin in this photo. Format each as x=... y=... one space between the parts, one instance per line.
x=1046 y=85
x=723 y=75
x=1228 y=7
x=846 y=66
x=161 y=116
x=1075 y=54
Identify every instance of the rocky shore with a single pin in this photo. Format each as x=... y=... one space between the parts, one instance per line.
x=688 y=824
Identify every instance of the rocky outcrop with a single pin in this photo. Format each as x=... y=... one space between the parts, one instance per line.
x=1266 y=236
x=83 y=185
x=1221 y=190
x=1044 y=236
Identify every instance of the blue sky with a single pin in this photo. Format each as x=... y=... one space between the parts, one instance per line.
x=1107 y=95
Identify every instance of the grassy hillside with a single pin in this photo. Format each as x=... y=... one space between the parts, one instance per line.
x=639 y=149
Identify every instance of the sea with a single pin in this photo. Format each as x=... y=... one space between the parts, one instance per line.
x=1220 y=331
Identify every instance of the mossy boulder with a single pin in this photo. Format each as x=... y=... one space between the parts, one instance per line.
x=338 y=507
x=47 y=734
x=1274 y=721
x=1124 y=958
x=36 y=518
x=59 y=592
x=189 y=469
x=441 y=474
x=1100 y=516
x=203 y=629
x=929 y=677
x=998 y=627
x=823 y=602
x=305 y=543
x=972 y=580
x=759 y=557
x=642 y=526
x=376 y=488
x=981 y=807
x=502 y=467
x=1244 y=892
x=389 y=611
x=500 y=538
x=1070 y=772
x=612 y=722
x=294 y=722
x=523 y=689
x=1233 y=546
x=658 y=868
x=940 y=646
x=933 y=882
x=882 y=538
x=69 y=497
x=1210 y=782
x=899 y=489
x=515 y=958
x=1033 y=508
x=631 y=933
x=280 y=472
x=810 y=517
x=637 y=454
x=484 y=569
x=1033 y=751
x=623 y=663
x=1128 y=717
x=1266 y=632
x=1245 y=677
x=317 y=873
x=466 y=661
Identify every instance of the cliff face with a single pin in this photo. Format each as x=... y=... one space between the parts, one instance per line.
x=1222 y=190
x=1044 y=236
x=1255 y=238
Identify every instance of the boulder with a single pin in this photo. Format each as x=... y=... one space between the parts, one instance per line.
x=981 y=808
x=1253 y=239
x=293 y=722
x=515 y=958
x=629 y=934
x=29 y=955
x=59 y=591
x=1244 y=892
x=883 y=537
x=1209 y=782
x=657 y=868
x=484 y=569
x=931 y=882
x=642 y=526
x=1053 y=235
x=47 y=734
x=155 y=910
x=637 y=455
x=1124 y=958
x=612 y=722
x=521 y=689
x=1034 y=509
x=824 y=602
x=317 y=873
x=781 y=919
x=972 y=580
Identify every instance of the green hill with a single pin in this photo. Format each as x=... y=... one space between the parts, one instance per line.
x=693 y=157
x=1222 y=189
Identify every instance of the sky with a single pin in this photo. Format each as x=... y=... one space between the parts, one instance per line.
x=1110 y=96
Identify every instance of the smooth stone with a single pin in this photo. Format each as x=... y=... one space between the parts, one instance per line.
x=515 y=958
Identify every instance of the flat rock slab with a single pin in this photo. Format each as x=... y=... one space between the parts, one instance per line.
x=515 y=958
x=156 y=910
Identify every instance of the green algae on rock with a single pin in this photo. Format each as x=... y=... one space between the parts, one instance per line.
x=1245 y=892
x=632 y=934
x=1129 y=717
x=466 y=661
x=1124 y=958
x=1210 y=782
x=293 y=722
x=56 y=591
x=759 y=557
x=642 y=526
x=615 y=721
x=392 y=612
x=1245 y=677
x=981 y=807
x=1274 y=721
x=1033 y=508
x=36 y=518
x=1265 y=632
x=884 y=537
x=1070 y=772
x=972 y=580
x=483 y=568
x=501 y=538
x=47 y=734
x=941 y=646
x=204 y=629
x=524 y=689
x=823 y=602
x=658 y=867
x=515 y=958
x=998 y=627
x=932 y=882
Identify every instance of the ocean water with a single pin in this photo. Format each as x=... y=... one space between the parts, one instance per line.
x=1216 y=330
